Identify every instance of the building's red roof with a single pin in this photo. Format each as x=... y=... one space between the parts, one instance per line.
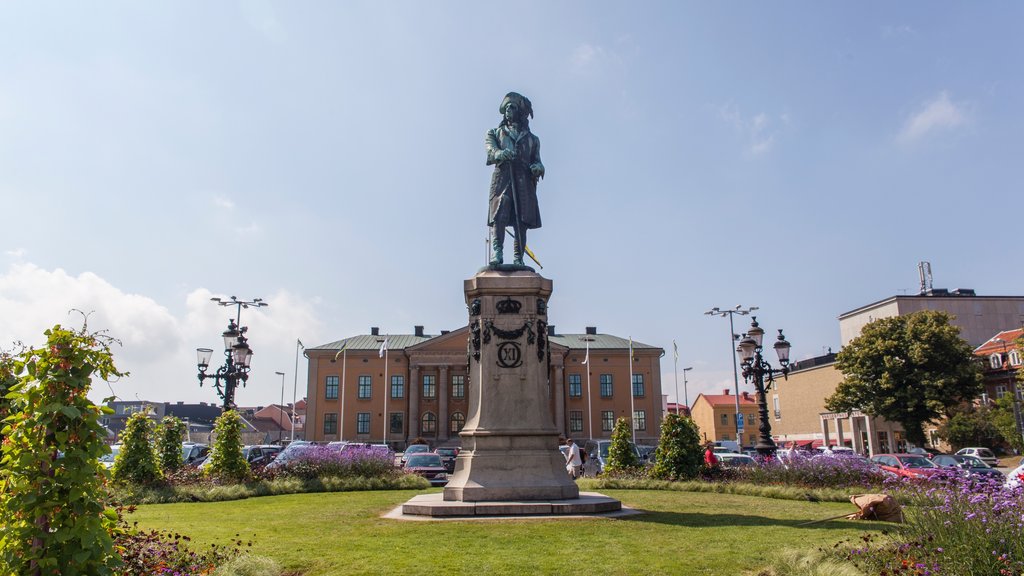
x=727 y=399
x=1005 y=340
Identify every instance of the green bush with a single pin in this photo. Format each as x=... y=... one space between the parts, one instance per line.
x=621 y=455
x=52 y=516
x=226 y=460
x=678 y=456
x=249 y=565
x=171 y=433
x=136 y=462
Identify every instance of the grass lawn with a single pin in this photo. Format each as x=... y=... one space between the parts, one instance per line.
x=343 y=533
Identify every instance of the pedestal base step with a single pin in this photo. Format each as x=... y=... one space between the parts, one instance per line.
x=435 y=506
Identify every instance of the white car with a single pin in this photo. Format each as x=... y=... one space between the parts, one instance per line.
x=107 y=460
x=983 y=454
x=731 y=460
x=1015 y=477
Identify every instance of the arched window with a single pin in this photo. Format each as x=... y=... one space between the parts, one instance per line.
x=428 y=424
x=458 y=421
x=995 y=360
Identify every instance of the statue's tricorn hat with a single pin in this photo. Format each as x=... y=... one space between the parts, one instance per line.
x=521 y=101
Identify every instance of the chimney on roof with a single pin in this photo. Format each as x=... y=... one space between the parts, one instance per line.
x=551 y=329
x=418 y=330
x=725 y=391
x=443 y=332
x=592 y=330
x=374 y=331
x=745 y=395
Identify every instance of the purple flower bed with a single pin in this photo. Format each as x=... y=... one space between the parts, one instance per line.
x=813 y=471
x=956 y=525
x=315 y=461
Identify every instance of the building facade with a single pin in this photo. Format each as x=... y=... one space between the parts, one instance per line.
x=977 y=317
x=715 y=416
x=418 y=386
x=1002 y=358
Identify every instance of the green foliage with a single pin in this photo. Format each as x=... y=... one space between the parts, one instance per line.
x=908 y=369
x=972 y=426
x=136 y=462
x=1005 y=421
x=226 y=459
x=7 y=381
x=52 y=517
x=678 y=456
x=171 y=433
x=621 y=455
x=210 y=492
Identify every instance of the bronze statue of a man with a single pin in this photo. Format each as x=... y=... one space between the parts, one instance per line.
x=515 y=153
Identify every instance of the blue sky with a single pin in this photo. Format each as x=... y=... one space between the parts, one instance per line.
x=328 y=157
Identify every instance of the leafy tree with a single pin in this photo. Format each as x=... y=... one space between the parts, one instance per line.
x=136 y=463
x=971 y=426
x=1005 y=420
x=52 y=516
x=621 y=456
x=7 y=381
x=171 y=434
x=226 y=459
x=678 y=456
x=908 y=369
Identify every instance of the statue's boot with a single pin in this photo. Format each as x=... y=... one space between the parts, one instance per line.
x=497 y=258
x=518 y=248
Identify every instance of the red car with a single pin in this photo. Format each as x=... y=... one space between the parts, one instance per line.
x=905 y=465
x=429 y=466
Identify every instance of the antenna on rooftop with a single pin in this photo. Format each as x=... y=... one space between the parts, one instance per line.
x=924 y=270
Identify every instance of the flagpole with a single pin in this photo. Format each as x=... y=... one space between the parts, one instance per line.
x=590 y=410
x=344 y=364
x=675 y=351
x=386 y=389
x=632 y=409
x=295 y=385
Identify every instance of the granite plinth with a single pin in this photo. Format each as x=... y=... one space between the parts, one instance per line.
x=435 y=506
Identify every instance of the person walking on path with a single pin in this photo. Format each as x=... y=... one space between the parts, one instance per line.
x=710 y=460
x=572 y=459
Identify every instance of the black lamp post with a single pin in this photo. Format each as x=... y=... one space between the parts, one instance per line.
x=238 y=354
x=761 y=373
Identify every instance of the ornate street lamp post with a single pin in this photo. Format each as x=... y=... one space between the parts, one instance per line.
x=238 y=354
x=757 y=370
x=738 y=309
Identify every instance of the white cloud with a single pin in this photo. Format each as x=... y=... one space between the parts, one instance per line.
x=935 y=115
x=157 y=347
x=15 y=253
x=252 y=229
x=586 y=57
x=758 y=131
x=223 y=202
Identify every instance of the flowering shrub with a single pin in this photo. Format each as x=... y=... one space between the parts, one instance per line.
x=153 y=552
x=327 y=461
x=813 y=471
x=170 y=434
x=956 y=525
x=136 y=463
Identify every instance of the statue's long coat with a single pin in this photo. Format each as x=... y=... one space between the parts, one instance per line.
x=527 y=149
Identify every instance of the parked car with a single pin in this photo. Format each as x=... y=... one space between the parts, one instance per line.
x=448 y=455
x=414 y=449
x=290 y=452
x=193 y=453
x=969 y=464
x=905 y=465
x=983 y=454
x=1015 y=477
x=731 y=460
x=107 y=460
x=598 y=449
x=920 y=452
x=428 y=465
x=834 y=450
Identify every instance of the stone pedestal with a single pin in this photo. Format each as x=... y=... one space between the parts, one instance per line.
x=510 y=443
